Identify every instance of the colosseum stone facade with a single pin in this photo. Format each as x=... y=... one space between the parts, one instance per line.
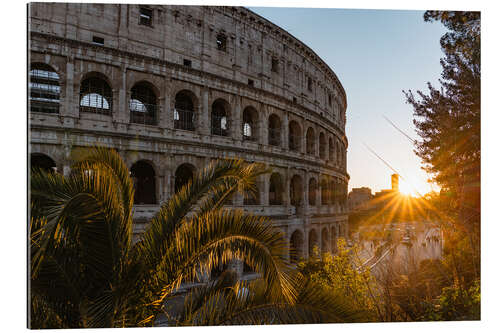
x=173 y=87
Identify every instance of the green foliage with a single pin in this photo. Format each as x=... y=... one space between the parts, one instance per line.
x=339 y=276
x=456 y=303
x=85 y=270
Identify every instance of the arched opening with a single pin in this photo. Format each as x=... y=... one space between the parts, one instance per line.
x=313 y=242
x=331 y=150
x=310 y=142
x=322 y=146
x=184 y=111
x=143 y=176
x=324 y=240
x=220 y=121
x=96 y=95
x=325 y=193
x=294 y=136
x=274 y=130
x=296 y=190
x=313 y=186
x=183 y=175
x=143 y=104
x=44 y=89
x=334 y=193
x=251 y=198
x=249 y=124
x=296 y=246
x=275 y=190
x=334 y=238
x=42 y=162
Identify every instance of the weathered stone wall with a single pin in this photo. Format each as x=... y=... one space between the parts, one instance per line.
x=61 y=36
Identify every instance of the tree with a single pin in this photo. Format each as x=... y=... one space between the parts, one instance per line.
x=448 y=122
x=86 y=271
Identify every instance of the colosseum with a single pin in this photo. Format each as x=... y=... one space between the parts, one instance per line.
x=174 y=87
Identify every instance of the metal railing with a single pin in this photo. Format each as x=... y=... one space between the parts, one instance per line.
x=183 y=119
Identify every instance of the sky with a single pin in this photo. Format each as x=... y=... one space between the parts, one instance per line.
x=376 y=54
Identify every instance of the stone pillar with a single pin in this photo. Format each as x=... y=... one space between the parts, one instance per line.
x=284 y=132
x=235 y=120
x=263 y=133
x=166 y=112
x=286 y=189
x=71 y=104
x=202 y=115
x=121 y=113
x=264 y=189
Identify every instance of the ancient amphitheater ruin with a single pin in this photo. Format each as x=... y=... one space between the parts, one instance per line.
x=173 y=87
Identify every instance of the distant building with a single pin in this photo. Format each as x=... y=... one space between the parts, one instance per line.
x=359 y=198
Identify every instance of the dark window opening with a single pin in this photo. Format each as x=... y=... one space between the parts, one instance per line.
x=42 y=162
x=295 y=100
x=44 y=89
x=250 y=83
x=221 y=42
x=329 y=99
x=275 y=65
x=95 y=96
x=219 y=119
x=249 y=121
x=184 y=112
x=309 y=84
x=274 y=131
x=324 y=240
x=312 y=191
x=143 y=176
x=322 y=146
x=313 y=242
x=146 y=16
x=310 y=142
x=296 y=191
x=143 y=106
x=187 y=63
x=98 y=40
x=183 y=175
x=275 y=190
x=296 y=245
x=294 y=136
x=325 y=193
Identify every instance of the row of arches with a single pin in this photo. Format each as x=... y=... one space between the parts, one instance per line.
x=96 y=96
x=144 y=177
x=325 y=242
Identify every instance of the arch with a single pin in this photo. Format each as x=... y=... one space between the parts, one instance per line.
x=249 y=123
x=144 y=179
x=331 y=150
x=296 y=246
x=184 y=110
x=325 y=193
x=324 y=239
x=220 y=117
x=296 y=190
x=334 y=193
x=274 y=130
x=143 y=104
x=322 y=146
x=334 y=235
x=44 y=88
x=39 y=161
x=275 y=189
x=294 y=136
x=183 y=174
x=310 y=141
x=313 y=241
x=313 y=186
x=96 y=95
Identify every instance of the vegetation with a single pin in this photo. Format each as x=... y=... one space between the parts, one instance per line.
x=86 y=270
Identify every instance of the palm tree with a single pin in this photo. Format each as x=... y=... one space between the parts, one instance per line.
x=86 y=271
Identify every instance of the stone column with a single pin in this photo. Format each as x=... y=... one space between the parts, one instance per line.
x=71 y=104
x=263 y=133
x=284 y=132
x=235 y=120
x=202 y=114
x=166 y=112
x=121 y=113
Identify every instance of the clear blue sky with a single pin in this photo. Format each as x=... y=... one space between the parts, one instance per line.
x=375 y=54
